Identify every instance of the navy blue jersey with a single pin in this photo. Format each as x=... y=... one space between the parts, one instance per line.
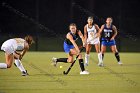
x=75 y=37
x=107 y=33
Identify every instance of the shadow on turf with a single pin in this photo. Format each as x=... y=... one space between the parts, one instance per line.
x=52 y=76
x=119 y=75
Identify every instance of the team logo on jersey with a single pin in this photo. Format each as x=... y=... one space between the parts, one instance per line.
x=106 y=30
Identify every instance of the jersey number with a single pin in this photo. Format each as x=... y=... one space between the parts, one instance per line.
x=107 y=34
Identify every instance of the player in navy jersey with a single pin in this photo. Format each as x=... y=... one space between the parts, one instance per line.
x=108 y=33
x=71 y=48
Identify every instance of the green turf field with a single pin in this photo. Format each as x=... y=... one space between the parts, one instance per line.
x=45 y=78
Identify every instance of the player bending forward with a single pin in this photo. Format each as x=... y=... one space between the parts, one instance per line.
x=92 y=38
x=109 y=32
x=71 y=48
x=11 y=48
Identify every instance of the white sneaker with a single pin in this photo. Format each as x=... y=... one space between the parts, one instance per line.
x=100 y=64
x=120 y=63
x=54 y=61
x=84 y=72
x=86 y=64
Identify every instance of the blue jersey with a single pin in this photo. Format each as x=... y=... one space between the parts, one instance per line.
x=107 y=35
x=75 y=37
x=67 y=43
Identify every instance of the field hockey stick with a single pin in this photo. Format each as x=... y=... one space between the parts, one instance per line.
x=66 y=72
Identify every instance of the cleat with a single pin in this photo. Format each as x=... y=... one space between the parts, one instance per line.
x=120 y=63
x=24 y=73
x=86 y=64
x=54 y=61
x=84 y=72
x=100 y=64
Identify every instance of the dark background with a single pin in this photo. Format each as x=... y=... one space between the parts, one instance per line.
x=48 y=20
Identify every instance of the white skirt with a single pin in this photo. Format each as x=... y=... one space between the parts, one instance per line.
x=93 y=41
x=9 y=46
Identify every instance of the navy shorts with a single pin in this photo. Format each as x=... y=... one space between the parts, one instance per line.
x=67 y=47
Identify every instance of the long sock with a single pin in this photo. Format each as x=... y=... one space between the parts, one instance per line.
x=3 y=65
x=117 y=56
x=81 y=63
x=87 y=58
x=19 y=65
x=100 y=57
x=62 y=60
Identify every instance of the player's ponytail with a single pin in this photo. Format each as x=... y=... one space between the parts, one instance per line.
x=29 y=39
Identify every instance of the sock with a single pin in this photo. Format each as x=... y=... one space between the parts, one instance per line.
x=81 y=63
x=19 y=65
x=3 y=65
x=87 y=58
x=100 y=57
x=62 y=60
x=117 y=56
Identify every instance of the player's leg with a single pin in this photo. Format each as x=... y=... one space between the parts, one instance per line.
x=67 y=49
x=97 y=47
x=103 y=49
x=87 y=55
x=70 y=52
x=81 y=62
x=9 y=60
x=115 y=51
x=56 y=60
x=19 y=65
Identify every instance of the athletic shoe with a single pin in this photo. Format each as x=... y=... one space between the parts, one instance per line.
x=84 y=72
x=86 y=64
x=54 y=61
x=120 y=63
x=24 y=73
x=100 y=64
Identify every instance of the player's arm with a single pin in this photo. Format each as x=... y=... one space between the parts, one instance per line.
x=82 y=37
x=26 y=48
x=101 y=29
x=97 y=28
x=85 y=32
x=73 y=42
x=115 y=32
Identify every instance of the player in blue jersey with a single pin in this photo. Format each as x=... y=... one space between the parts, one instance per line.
x=108 y=33
x=71 y=48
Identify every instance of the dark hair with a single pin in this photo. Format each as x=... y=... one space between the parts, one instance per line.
x=72 y=24
x=29 y=39
x=110 y=17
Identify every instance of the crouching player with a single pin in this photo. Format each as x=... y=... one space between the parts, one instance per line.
x=71 y=48
x=11 y=48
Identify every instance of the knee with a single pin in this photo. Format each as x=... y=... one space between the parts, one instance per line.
x=87 y=52
x=98 y=51
x=102 y=52
x=80 y=56
x=114 y=50
x=70 y=60
x=9 y=65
